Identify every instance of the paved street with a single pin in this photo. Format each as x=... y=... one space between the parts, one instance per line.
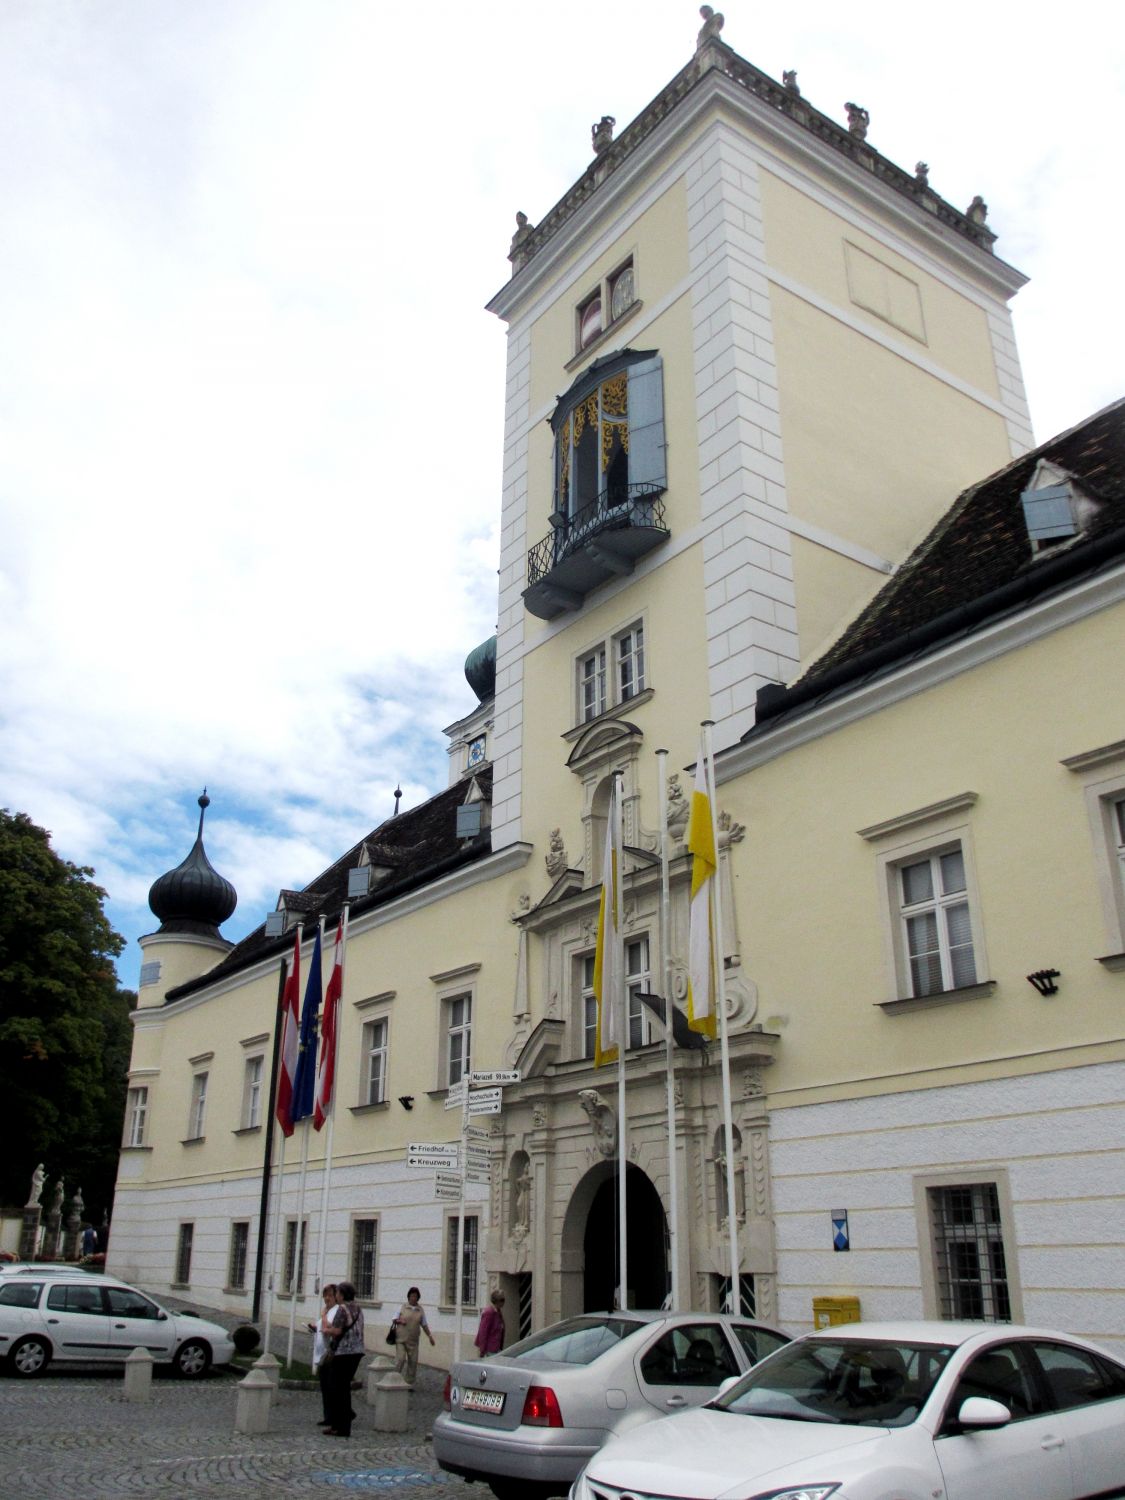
x=71 y=1436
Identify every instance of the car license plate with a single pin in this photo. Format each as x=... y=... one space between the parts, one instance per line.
x=490 y=1401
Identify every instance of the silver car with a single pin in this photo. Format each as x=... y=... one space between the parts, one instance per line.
x=72 y=1316
x=527 y=1420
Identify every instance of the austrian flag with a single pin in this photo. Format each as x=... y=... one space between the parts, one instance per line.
x=326 y=1071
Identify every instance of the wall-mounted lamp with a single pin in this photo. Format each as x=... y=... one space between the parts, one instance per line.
x=1044 y=981
x=406 y=1100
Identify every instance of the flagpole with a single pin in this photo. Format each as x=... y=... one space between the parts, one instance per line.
x=298 y=1240
x=284 y=1022
x=265 y=1205
x=271 y=1278
x=322 y=1245
x=735 y=1300
x=670 y=1066
x=618 y=969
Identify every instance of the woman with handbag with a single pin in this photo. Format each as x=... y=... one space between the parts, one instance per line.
x=409 y=1327
x=342 y=1357
x=320 y=1331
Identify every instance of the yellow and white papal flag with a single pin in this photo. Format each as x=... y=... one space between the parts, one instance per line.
x=607 y=965
x=701 y=938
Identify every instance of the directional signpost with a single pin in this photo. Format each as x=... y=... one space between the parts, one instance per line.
x=425 y=1156
x=456 y=1095
x=478 y=1094
x=500 y=1076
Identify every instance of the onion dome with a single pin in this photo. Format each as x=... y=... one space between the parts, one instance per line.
x=480 y=669
x=193 y=897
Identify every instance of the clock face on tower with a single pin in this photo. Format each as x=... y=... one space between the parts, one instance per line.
x=476 y=751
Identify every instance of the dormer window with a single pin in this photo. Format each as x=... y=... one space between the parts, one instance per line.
x=1055 y=509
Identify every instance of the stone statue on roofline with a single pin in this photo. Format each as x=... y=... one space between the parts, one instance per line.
x=858 y=120
x=977 y=211
x=601 y=134
x=922 y=174
x=712 y=25
x=38 y=1178
x=789 y=79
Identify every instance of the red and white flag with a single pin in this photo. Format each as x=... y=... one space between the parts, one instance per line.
x=290 y=1039
x=326 y=1066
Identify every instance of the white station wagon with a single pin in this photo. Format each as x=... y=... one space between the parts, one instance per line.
x=72 y=1316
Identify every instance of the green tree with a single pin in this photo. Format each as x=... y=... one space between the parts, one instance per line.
x=64 y=1022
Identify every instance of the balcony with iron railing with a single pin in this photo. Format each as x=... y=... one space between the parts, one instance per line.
x=601 y=541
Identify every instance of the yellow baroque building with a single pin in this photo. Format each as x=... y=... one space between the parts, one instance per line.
x=751 y=362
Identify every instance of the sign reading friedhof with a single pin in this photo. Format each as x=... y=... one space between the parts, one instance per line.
x=424 y=1156
x=496 y=1075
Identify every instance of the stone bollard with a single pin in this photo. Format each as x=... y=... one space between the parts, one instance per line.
x=252 y=1413
x=380 y=1365
x=392 y=1403
x=138 y=1375
x=270 y=1366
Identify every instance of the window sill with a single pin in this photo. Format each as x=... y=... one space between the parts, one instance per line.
x=618 y=711
x=234 y=1291
x=369 y=1109
x=603 y=337
x=363 y=1302
x=448 y=1307
x=179 y=1286
x=943 y=997
x=1114 y=962
x=247 y=1130
x=194 y=1140
x=135 y=1148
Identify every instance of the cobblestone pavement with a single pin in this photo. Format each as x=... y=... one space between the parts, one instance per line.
x=73 y=1436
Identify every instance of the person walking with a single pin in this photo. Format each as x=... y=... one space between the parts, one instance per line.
x=321 y=1342
x=490 y=1331
x=409 y=1328
x=346 y=1333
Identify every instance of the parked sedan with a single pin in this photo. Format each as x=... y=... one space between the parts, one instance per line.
x=70 y=1315
x=967 y=1411
x=526 y=1421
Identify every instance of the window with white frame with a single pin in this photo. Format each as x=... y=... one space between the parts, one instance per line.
x=292 y=1227
x=600 y=309
x=638 y=980
x=183 y=1254
x=365 y=1254
x=373 y=1088
x=612 y=673
x=589 y=1005
x=136 y=1116
x=237 y=1254
x=458 y=1037
x=468 y=1261
x=1102 y=773
x=198 y=1110
x=252 y=1093
x=937 y=926
x=970 y=1265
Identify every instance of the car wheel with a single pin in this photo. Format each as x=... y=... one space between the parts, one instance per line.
x=192 y=1360
x=29 y=1357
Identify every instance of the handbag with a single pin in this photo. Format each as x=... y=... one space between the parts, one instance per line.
x=326 y=1358
x=391 y=1332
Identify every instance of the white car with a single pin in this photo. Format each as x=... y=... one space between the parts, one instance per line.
x=891 y=1411
x=71 y=1315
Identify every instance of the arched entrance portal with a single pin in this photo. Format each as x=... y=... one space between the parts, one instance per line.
x=646 y=1232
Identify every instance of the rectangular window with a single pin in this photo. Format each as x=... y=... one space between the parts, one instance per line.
x=183 y=1254
x=630 y=646
x=459 y=1015
x=365 y=1246
x=937 y=927
x=468 y=1261
x=198 y=1106
x=1118 y=809
x=601 y=309
x=136 y=1114
x=290 y=1257
x=374 y=1062
x=252 y=1094
x=591 y=672
x=236 y=1259
x=638 y=979
x=589 y=1007
x=970 y=1265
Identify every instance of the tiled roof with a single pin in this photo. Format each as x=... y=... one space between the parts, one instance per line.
x=977 y=563
x=418 y=845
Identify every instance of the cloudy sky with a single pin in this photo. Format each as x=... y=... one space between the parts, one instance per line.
x=251 y=405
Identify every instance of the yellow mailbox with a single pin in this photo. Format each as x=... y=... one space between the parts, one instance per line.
x=829 y=1311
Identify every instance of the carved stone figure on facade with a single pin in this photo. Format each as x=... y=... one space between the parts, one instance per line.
x=602 y=1121
x=521 y=1212
x=538 y=1117
x=922 y=173
x=57 y=1198
x=523 y=906
x=712 y=25
x=523 y=229
x=601 y=134
x=38 y=1177
x=789 y=79
x=730 y=832
x=753 y=1085
x=977 y=210
x=678 y=810
x=556 y=854
x=858 y=121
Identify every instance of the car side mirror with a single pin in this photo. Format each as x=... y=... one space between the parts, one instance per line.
x=162 y=1316
x=980 y=1411
x=728 y=1384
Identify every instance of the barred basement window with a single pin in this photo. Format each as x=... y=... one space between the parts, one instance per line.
x=365 y=1245
x=468 y=1261
x=236 y=1261
x=972 y=1274
x=183 y=1254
